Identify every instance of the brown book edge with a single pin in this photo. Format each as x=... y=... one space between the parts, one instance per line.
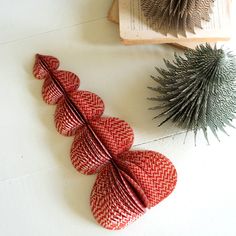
x=113 y=13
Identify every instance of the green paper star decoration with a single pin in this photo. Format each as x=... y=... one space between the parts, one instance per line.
x=198 y=90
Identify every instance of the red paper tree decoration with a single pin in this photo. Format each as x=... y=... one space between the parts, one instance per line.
x=128 y=182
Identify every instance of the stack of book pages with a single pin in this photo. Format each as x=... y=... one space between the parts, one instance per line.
x=136 y=29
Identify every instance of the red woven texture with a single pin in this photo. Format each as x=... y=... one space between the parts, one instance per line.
x=128 y=182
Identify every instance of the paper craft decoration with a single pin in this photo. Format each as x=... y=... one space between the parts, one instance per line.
x=135 y=28
x=113 y=16
x=198 y=90
x=177 y=16
x=128 y=182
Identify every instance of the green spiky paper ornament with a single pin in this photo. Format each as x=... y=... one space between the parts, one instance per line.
x=176 y=16
x=198 y=90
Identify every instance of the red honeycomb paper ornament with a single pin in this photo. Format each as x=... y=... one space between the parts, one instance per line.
x=127 y=181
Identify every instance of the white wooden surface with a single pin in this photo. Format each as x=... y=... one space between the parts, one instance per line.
x=40 y=192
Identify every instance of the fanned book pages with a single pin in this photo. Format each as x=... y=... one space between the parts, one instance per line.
x=128 y=182
x=177 y=16
x=136 y=28
x=113 y=15
x=198 y=90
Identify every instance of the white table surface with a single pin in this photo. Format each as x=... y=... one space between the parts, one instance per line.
x=40 y=192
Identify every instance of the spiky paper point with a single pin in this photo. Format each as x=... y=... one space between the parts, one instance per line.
x=177 y=16
x=199 y=90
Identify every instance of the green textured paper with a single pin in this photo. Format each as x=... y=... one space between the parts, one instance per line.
x=198 y=90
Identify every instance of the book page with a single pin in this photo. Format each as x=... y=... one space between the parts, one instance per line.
x=135 y=27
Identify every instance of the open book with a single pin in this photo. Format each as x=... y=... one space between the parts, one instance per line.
x=135 y=29
x=113 y=15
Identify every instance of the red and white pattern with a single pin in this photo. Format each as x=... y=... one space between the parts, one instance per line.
x=69 y=82
x=66 y=119
x=40 y=69
x=128 y=182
